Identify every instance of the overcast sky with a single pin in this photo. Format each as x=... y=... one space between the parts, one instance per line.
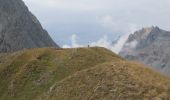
x=95 y=20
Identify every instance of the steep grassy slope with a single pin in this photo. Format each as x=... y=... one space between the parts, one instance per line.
x=77 y=74
x=112 y=81
x=29 y=73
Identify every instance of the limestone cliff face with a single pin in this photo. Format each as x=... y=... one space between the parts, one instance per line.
x=20 y=29
x=150 y=46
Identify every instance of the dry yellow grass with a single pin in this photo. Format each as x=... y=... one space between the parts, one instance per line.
x=77 y=74
x=112 y=81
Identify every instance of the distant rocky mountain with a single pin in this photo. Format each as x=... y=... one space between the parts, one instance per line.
x=150 y=46
x=20 y=29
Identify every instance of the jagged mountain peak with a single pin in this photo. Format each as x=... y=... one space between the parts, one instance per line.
x=150 y=46
x=20 y=29
x=147 y=30
x=144 y=33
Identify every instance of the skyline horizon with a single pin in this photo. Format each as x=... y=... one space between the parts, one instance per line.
x=94 y=21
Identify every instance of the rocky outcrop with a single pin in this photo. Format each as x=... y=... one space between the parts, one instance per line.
x=150 y=46
x=20 y=29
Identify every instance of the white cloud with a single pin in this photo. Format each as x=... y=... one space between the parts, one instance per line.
x=120 y=43
x=74 y=38
x=107 y=21
x=103 y=42
x=122 y=40
x=74 y=43
x=132 y=44
x=93 y=18
x=66 y=46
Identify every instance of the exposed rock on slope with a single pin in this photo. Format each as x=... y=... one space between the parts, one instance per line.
x=150 y=46
x=76 y=74
x=20 y=29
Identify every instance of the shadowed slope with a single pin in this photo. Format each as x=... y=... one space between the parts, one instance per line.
x=20 y=29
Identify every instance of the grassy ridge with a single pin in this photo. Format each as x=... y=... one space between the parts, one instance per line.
x=75 y=74
x=120 y=80
x=28 y=74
